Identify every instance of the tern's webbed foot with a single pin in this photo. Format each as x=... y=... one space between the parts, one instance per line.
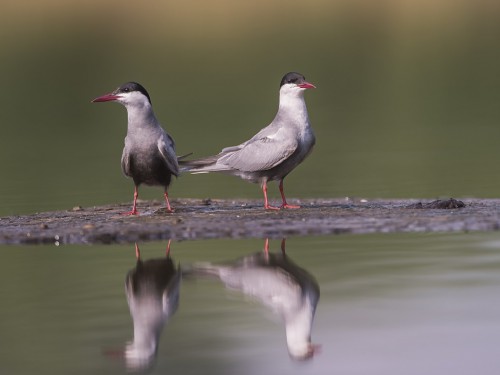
x=130 y=213
x=289 y=206
x=269 y=207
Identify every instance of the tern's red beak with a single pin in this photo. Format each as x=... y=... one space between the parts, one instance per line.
x=106 y=98
x=306 y=85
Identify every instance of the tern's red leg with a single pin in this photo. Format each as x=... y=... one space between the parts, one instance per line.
x=134 y=207
x=267 y=206
x=284 y=204
x=169 y=209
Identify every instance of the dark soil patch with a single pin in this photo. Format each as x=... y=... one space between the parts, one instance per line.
x=204 y=219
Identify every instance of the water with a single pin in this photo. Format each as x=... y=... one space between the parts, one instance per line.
x=390 y=304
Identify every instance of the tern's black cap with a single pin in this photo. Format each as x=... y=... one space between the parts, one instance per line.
x=293 y=77
x=133 y=86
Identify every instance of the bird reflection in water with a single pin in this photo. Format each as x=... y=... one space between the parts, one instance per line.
x=279 y=284
x=152 y=289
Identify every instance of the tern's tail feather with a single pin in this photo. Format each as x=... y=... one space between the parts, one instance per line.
x=205 y=165
x=184 y=156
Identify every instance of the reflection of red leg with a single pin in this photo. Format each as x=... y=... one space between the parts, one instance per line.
x=169 y=209
x=266 y=246
x=284 y=204
x=283 y=246
x=266 y=250
x=267 y=206
x=134 y=207
x=137 y=252
x=167 y=253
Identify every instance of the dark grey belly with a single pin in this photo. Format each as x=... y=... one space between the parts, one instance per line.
x=149 y=170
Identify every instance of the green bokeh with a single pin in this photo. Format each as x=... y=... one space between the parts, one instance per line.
x=406 y=104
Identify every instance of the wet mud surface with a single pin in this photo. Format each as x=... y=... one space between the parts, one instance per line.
x=205 y=219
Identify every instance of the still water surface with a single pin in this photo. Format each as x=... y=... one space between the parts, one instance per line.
x=398 y=304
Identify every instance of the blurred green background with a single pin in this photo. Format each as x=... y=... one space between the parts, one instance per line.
x=406 y=102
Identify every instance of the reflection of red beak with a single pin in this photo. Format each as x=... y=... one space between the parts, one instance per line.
x=106 y=98
x=114 y=353
x=315 y=348
x=306 y=85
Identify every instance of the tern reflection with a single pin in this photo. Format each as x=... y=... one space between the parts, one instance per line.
x=279 y=284
x=152 y=289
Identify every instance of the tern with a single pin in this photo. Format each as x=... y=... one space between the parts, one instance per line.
x=149 y=153
x=273 y=152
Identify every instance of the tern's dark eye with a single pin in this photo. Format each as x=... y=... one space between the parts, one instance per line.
x=125 y=89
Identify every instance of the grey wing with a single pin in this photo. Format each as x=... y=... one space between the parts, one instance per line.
x=268 y=131
x=233 y=148
x=166 y=146
x=126 y=162
x=260 y=154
